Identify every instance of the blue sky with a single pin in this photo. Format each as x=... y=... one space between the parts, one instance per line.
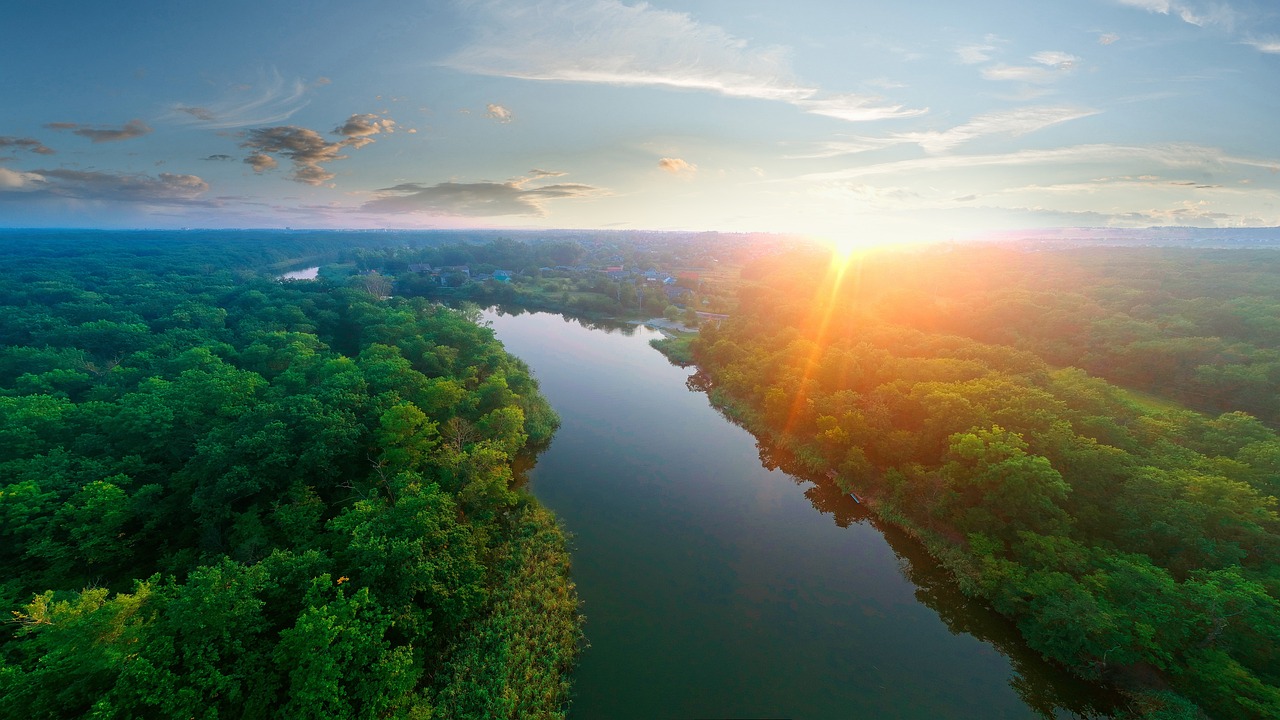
x=857 y=121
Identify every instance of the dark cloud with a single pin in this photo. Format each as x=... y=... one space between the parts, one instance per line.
x=198 y=113
x=31 y=144
x=220 y=157
x=480 y=199
x=307 y=149
x=131 y=129
x=165 y=188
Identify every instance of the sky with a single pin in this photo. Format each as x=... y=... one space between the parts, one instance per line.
x=862 y=122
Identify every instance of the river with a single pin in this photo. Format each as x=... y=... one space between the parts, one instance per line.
x=310 y=273
x=716 y=587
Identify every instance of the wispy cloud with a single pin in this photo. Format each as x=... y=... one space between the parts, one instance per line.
x=608 y=42
x=1056 y=59
x=271 y=99
x=1214 y=14
x=1015 y=122
x=104 y=133
x=477 y=199
x=1172 y=156
x=1269 y=45
x=1108 y=39
x=1050 y=66
x=977 y=53
x=25 y=143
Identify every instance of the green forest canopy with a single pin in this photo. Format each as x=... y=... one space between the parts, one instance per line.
x=224 y=495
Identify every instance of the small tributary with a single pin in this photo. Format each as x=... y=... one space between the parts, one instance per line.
x=715 y=587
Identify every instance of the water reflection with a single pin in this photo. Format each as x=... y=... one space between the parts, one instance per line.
x=1046 y=687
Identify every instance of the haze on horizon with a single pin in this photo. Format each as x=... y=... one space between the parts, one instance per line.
x=852 y=120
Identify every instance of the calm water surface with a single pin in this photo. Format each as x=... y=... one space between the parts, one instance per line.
x=310 y=273
x=715 y=587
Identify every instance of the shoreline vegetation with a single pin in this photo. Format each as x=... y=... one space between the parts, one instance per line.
x=1130 y=540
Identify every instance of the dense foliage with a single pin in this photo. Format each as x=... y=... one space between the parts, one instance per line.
x=1128 y=539
x=1201 y=327
x=223 y=495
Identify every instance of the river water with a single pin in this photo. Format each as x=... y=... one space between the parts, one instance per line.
x=716 y=587
x=310 y=273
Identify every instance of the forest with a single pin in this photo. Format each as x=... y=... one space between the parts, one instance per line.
x=224 y=495
x=1085 y=438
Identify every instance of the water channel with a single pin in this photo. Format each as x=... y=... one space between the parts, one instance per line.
x=716 y=587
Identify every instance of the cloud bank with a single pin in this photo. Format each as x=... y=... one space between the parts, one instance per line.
x=165 y=188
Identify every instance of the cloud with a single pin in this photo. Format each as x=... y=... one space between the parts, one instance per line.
x=198 y=113
x=1216 y=14
x=856 y=108
x=1108 y=38
x=1055 y=59
x=497 y=112
x=975 y=54
x=1016 y=122
x=1023 y=73
x=260 y=162
x=220 y=157
x=479 y=199
x=609 y=42
x=1269 y=45
x=14 y=180
x=678 y=166
x=24 y=143
x=536 y=173
x=271 y=100
x=307 y=149
x=132 y=129
x=360 y=129
x=166 y=188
